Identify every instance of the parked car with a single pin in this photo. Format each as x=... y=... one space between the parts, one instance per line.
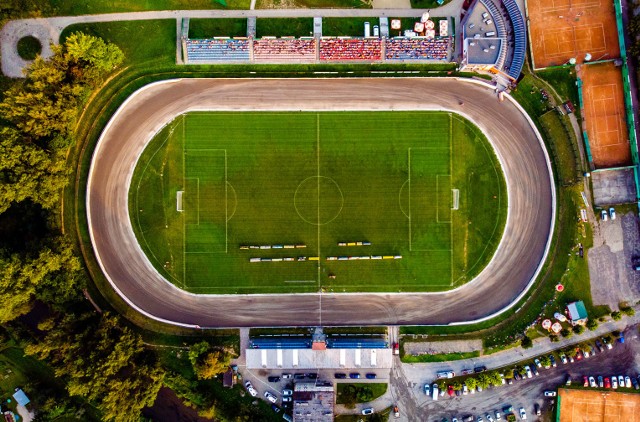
x=270 y=397
x=507 y=409
x=450 y=391
x=479 y=388
x=627 y=381
x=585 y=381
x=273 y=379
x=607 y=343
x=286 y=392
x=396 y=412
x=275 y=408
x=592 y=382
x=621 y=381
x=528 y=369
x=489 y=417
x=553 y=361
x=536 y=408
x=612 y=213
x=298 y=376
x=563 y=358
x=286 y=376
x=567 y=381
x=571 y=359
x=427 y=389
x=340 y=375
x=586 y=354
x=600 y=381
x=603 y=215
x=286 y=399
x=458 y=393
x=599 y=346
x=607 y=382
x=523 y=414
x=480 y=419
x=635 y=383
x=537 y=362
x=621 y=339
x=516 y=375
x=370 y=376
x=368 y=411
x=467 y=371
x=550 y=393
x=250 y=389
x=480 y=368
x=312 y=375
x=354 y=375
x=498 y=415
x=465 y=389
x=614 y=382
x=535 y=370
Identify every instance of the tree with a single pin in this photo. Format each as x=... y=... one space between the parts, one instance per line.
x=592 y=324
x=206 y=361
x=629 y=311
x=526 y=342
x=483 y=380
x=572 y=352
x=471 y=383
x=457 y=385
x=495 y=378
x=617 y=316
x=522 y=370
x=545 y=361
x=566 y=333
x=102 y=361
x=554 y=338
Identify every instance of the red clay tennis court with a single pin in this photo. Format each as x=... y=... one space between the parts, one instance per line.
x=604 y=114
x=565 y=29
x=597 y=406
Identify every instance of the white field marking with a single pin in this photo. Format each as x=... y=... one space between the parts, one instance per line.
x=184 y=218
x=318 y=192
x=299 y=281
x=197 y=179
x=226 y=206
x=450 y=184
x=438 y=176
x=409 y=201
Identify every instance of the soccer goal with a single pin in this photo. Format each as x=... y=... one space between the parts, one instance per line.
x=456 y=199
x=179 y=201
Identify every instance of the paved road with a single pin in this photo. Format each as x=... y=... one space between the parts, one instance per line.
x=506 y=278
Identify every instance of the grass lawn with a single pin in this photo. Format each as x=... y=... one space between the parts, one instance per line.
x=207 y=28
x=313 y=4
x=427 y=4
x=440 y=357
x=347 y=26
x=563 y=81
x=565 y=157
x=295 y=27
x=141 y=41
x=87 y=7
x=311 y=179
x=359 y=392
x=29 y=47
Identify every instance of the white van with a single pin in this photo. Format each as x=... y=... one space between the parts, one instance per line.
x=490 y=34
x=434 y=391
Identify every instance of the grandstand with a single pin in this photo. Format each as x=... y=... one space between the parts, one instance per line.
x=280 y=343
x=520 y=36
x=401 y=48
x=501 y=29
x=356 y=343
x=284 y=49
x=217 y=50
x=344 y=49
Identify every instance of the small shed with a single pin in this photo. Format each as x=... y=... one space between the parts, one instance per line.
x=577 y=313
x=21 y=398
x=228 y=378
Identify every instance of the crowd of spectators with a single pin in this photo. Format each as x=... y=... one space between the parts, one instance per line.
x=417 y=49
x=350 y=49
x=207 y=50
x=284 y=48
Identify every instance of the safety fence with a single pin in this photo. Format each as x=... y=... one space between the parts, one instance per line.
x=584 y=132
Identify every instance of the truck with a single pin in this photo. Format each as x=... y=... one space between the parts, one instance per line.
x=434 y=391
x=396 y=348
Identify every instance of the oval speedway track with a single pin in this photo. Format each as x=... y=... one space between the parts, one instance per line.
x=505 y=280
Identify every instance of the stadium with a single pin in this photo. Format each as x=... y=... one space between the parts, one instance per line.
x=154 y=109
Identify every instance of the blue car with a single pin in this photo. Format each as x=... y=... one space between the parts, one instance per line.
x=371 y=376
x=354 y=375
x=621 y=338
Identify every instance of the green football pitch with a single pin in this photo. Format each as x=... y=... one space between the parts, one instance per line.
x=306 y=202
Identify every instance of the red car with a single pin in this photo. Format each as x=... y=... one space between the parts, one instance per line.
x=450 y=391
x=579 y=354
x=607 y=383
x=585 y=381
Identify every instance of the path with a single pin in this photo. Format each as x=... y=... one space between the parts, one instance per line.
x=48 y=30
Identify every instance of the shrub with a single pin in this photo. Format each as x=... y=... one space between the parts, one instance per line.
x=526 y=342
x=617 y=316
x=554 y=338
x=578 y=329
x=567 y=333
x=592 y=324
x=628 y=311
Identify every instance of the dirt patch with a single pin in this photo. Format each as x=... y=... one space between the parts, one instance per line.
x=565 y=29
x=604 y=114
x=438 y=347
x=594 y=406
x=168 y=407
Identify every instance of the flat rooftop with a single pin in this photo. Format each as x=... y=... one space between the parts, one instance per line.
x=320 y=359
x=482 y=50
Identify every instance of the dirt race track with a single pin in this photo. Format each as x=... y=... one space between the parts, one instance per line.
x=565 y=29
x=604 y=114
x=598 y=406
x=508 y=276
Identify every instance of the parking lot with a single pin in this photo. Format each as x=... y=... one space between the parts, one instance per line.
x=621 y=360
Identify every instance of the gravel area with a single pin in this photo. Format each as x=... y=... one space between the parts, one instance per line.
x=436 y=347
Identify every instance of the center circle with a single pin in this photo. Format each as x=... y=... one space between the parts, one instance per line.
x=318 y=200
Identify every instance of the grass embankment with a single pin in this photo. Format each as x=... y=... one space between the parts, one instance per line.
x=373 y=331
x=296 y=331
x=280 y=27
x=380 y=416
x=29 y=47
x=313 y=4
x=208 y=28
x=75 y=7
x=439 y=357
x=350 y=394
x=353 y=27
x=427 y=4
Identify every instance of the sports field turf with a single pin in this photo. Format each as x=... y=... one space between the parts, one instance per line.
x=211 y=183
